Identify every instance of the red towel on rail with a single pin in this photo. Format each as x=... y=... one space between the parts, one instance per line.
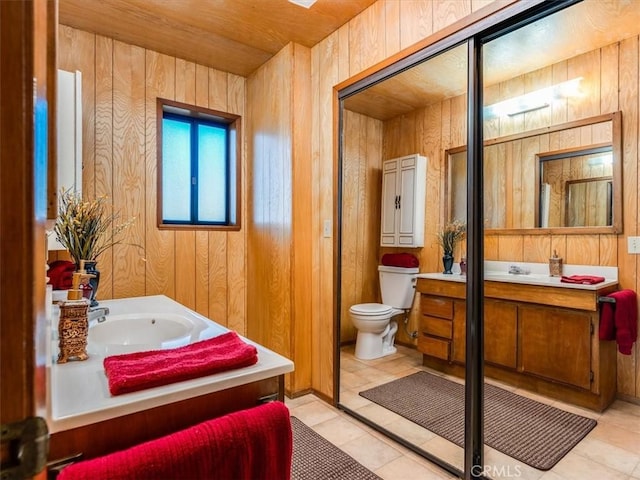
x=136 y=371
x=246 y=445
x=583 y=279
x=619 y=320
x=405 y=260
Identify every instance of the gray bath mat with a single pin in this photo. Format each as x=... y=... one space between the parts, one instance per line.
x=315 y=458
x=529 y=431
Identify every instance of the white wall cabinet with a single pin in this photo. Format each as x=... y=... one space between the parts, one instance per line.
x=404 y=182
x=69 y=136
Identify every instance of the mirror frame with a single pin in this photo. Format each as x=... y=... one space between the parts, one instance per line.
x=616 y=146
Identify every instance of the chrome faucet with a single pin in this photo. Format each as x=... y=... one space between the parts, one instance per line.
x=516 y=270
x=98 y=313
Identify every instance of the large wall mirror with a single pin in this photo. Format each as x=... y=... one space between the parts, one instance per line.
x=424 y=109
x=562 y=179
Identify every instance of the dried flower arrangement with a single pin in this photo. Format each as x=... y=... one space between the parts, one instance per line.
x=85 y=228
x=451 y=234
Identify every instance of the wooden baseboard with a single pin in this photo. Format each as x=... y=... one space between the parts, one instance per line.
x=628 y=398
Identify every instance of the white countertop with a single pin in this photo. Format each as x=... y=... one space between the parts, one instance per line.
x=79 y=393
x=498 y=272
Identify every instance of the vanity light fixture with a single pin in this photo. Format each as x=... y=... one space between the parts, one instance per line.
x=606 y=160
x=526 y=107
x=535 y=100
x=303 y=3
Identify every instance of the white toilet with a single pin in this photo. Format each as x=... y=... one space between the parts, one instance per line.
x=376 y=330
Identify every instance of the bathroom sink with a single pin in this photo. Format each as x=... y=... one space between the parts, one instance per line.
x=138 y=332
x=523 y=276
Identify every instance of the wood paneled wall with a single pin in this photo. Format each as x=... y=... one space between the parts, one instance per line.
x=279 y=223
x=204 y=270
x=361 y=202
x=434 y=129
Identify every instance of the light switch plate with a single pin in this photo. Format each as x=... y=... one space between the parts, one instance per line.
x=326 y=230
x=634 y=244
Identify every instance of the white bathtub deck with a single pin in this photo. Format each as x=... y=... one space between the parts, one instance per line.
x=79 y=393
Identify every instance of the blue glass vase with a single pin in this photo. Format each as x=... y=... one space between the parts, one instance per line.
x=447 y=262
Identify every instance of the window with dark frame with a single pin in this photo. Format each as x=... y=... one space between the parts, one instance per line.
x=197 y=167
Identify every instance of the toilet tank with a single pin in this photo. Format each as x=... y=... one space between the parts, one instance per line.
x=397 y=286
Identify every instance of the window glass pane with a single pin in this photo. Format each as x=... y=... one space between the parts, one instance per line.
x=176 y=170
x=212 y=173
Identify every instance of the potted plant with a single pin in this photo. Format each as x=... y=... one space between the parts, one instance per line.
x=86 y=229
x=448 y=236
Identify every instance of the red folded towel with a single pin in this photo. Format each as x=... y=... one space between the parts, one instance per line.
x=245 y=445
x=583 y=279
x=60 y=274
x=405 y=260
x=136 y=371
x=619 y=320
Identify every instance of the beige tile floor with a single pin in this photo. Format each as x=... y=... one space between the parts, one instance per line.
x=610 y=451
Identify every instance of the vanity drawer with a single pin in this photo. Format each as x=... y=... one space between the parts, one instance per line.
x=436 y=306
x=439 y=327
x=434 y=347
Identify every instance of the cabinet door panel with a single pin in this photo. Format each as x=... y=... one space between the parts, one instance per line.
x=407 y=195
x=556 y=344
x=458 y=353
x=500 y=333
x=388 y=223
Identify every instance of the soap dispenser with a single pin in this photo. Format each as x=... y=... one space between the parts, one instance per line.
x=555 y=265
x=73 y=326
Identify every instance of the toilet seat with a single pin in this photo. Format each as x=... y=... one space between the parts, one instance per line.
x=372 y=309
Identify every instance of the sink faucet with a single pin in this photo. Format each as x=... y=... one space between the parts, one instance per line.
x=99 y=313
x=516 y=270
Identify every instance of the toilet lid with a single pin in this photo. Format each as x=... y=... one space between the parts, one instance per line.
x=370 y=309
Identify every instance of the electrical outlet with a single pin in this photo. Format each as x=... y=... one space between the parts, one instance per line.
x=634 y=244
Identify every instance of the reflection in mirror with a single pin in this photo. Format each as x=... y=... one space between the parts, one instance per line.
x=576 y=189
x=526 y=188
x=424 y=110
x=396 y=117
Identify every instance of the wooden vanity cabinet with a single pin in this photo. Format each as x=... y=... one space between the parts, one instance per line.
x=531 y=339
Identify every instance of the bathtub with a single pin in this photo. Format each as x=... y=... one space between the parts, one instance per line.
x=78 y=393
x=136 y=332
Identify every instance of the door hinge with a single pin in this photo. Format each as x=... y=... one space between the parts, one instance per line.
x=27 y=444
x=591 y=329
x=591 y=376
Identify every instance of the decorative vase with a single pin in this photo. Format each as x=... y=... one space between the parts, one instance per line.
x=94 y=281
x=447 y=261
